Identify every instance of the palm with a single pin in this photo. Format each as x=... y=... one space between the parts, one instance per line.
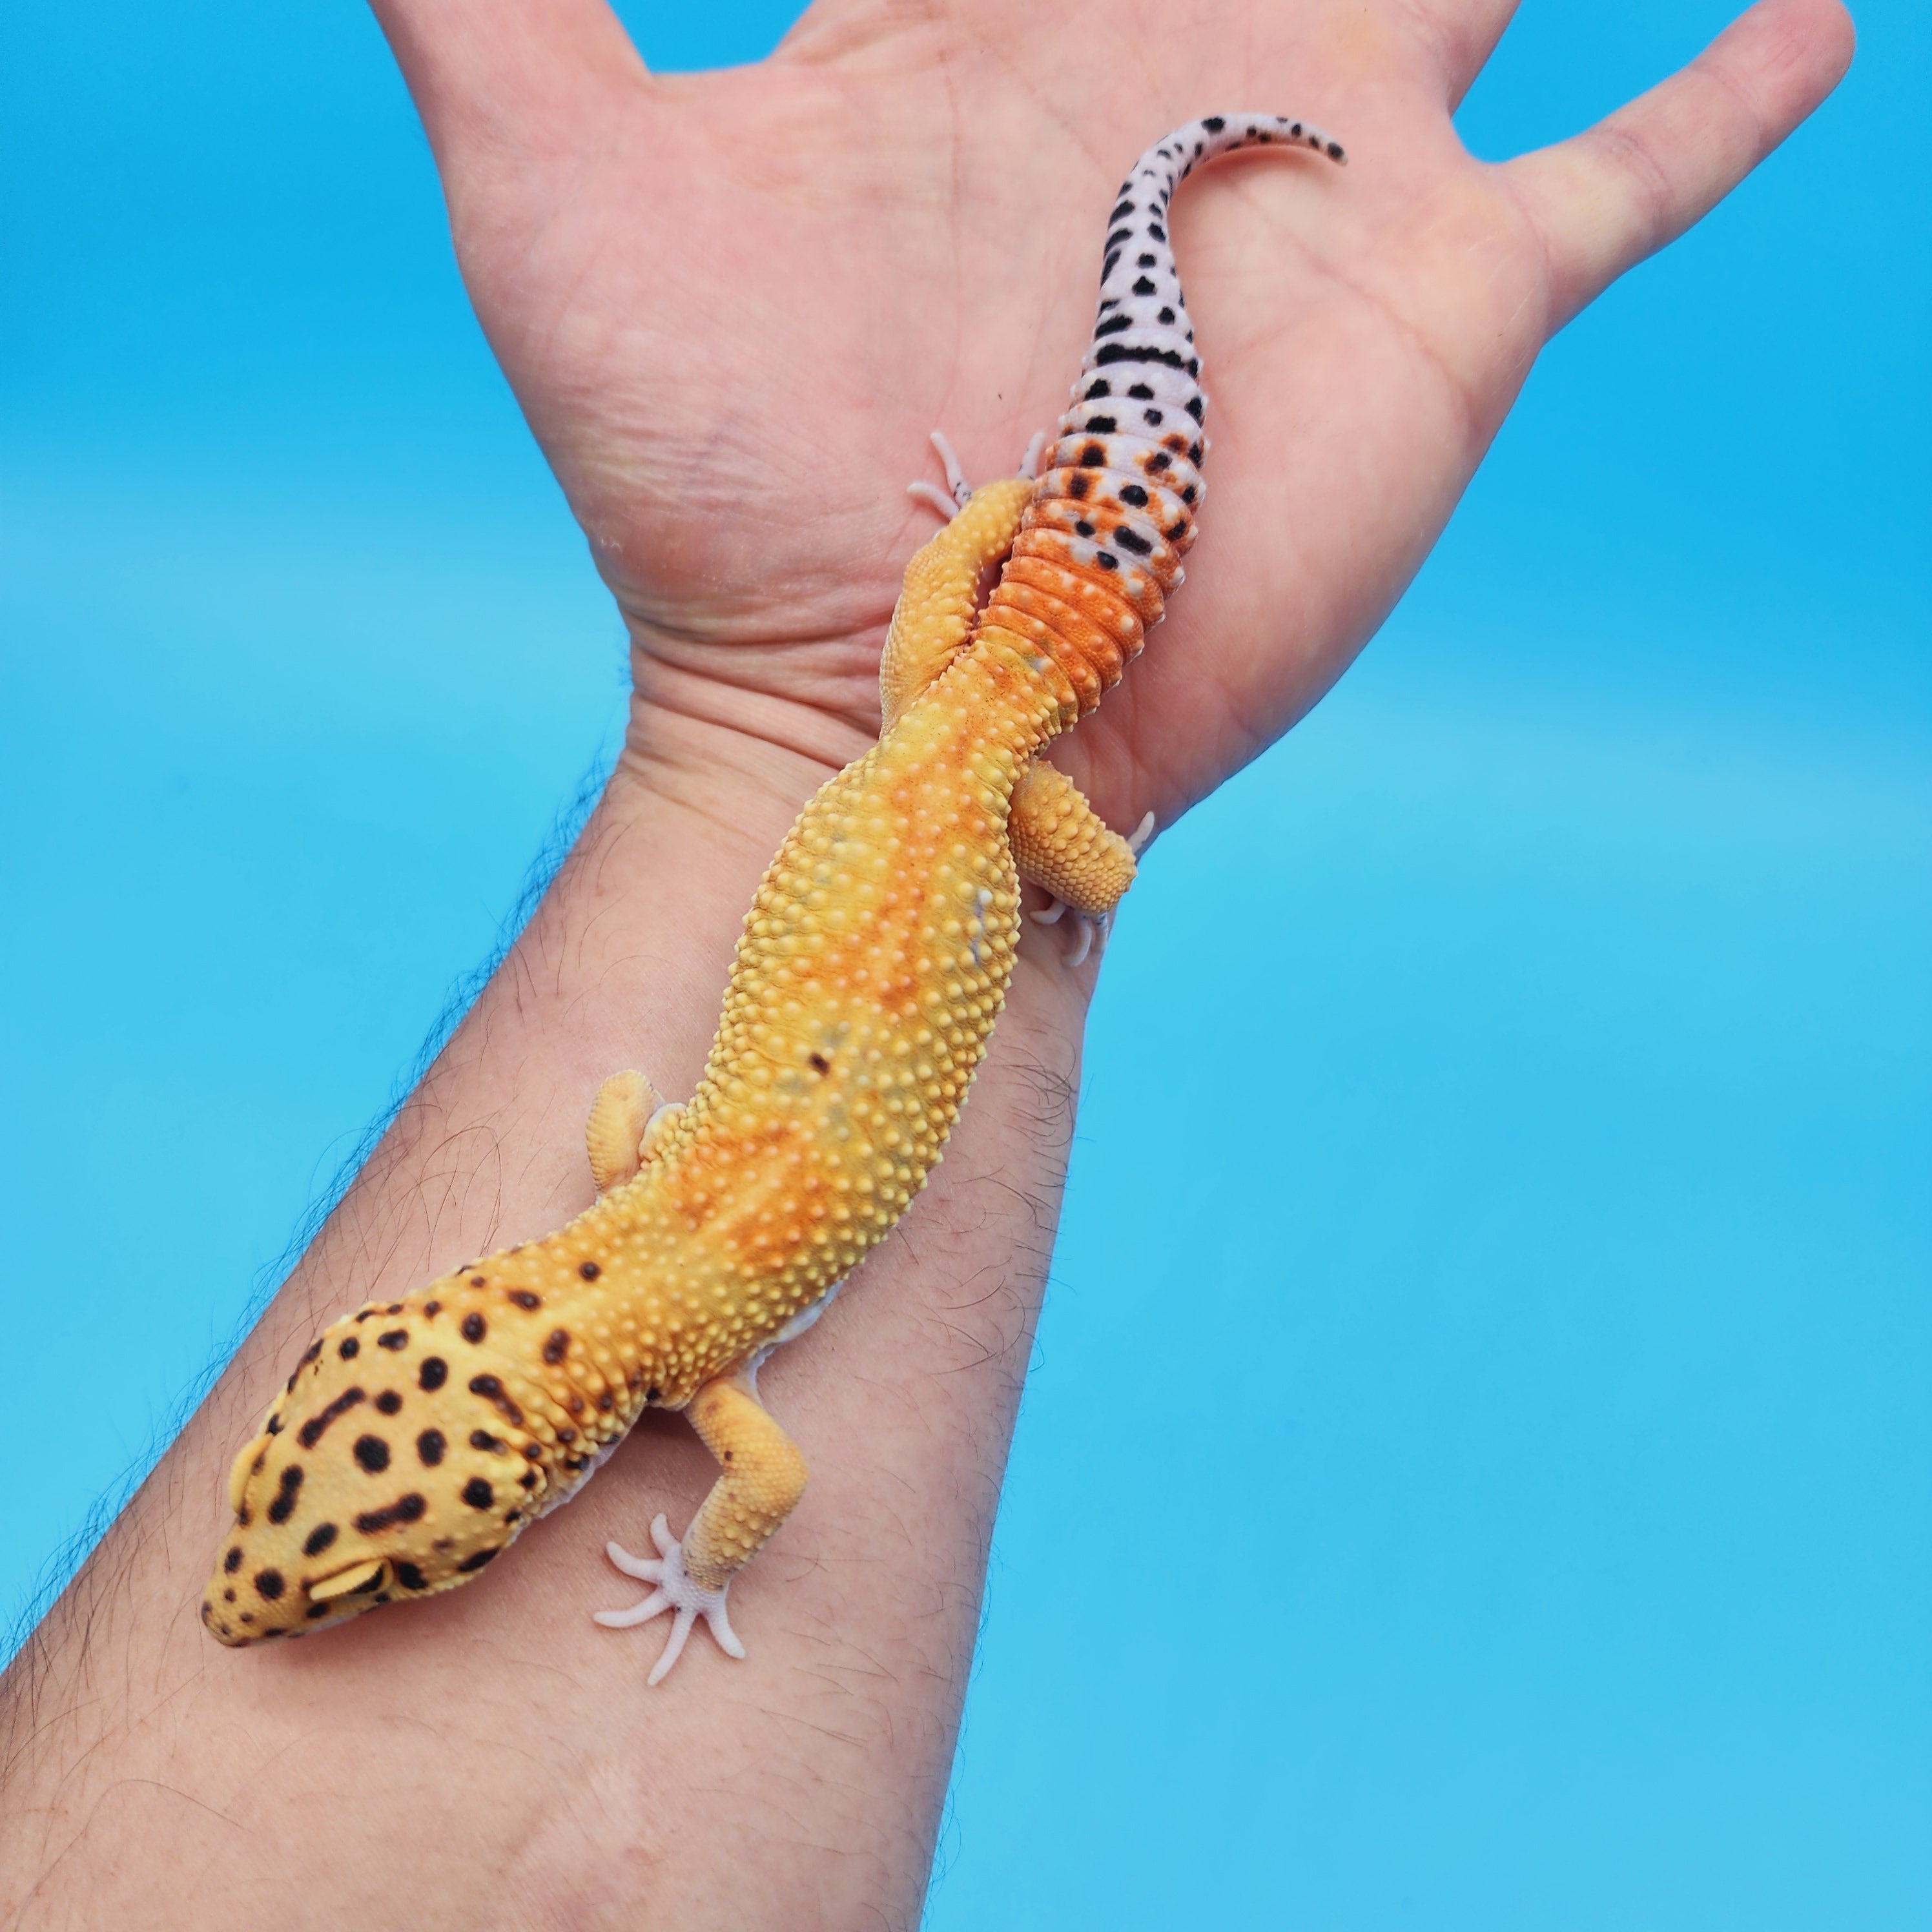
x=732 y=305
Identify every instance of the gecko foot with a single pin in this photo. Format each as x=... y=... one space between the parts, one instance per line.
x=675 y=1592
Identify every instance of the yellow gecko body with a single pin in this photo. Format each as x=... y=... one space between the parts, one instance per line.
x=415 y=1439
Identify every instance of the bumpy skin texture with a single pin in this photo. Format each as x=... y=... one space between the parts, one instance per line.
x=415 y=1439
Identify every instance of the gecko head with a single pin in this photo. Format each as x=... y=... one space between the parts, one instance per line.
x=371 y=1481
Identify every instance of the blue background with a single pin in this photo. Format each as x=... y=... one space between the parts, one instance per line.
x=1560 y=1282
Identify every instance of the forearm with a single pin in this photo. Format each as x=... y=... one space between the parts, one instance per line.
x=491 y=1757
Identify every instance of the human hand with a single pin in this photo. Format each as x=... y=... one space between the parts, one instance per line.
x=733 y=304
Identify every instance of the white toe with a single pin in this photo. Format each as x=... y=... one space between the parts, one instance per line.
x=675 y=1592
x=931 y=492
x=955 y=476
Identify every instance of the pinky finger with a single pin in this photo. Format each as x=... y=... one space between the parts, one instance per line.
x=1606 y=199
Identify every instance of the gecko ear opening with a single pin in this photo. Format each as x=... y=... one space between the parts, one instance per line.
x=350 y=1582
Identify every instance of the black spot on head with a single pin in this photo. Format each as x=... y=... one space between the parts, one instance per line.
x=319 y=1538
x=268 y=1583
x=475 y=1327
x=652 y=1393
x=432 y=1308
x=1132 y=493
x=1094 y=457
x=1152 y=417
x=1214 y=123
x=429 y=1446
x=819 y=1064
x=389 y=1401
x=1132 y=540
x=476 y=1281
x=1078 y=486
x=410 y=1508
x=470 y=1565
x=244 y=1515
x=1160 y=459
x=274 y=1426
x=524 y=1298
x=1083 y=528
x=481 y=1438
x=228 y=1596
x=434 y=1373
x=1159 y=233
x=727 y=1455
x=1121 y=207
x=1197 y=406
x=1166 y=315
x=1141 y=393
x=1097 y=388
x=393 y=1338
x=1106 y=559
x=289 y=1386
x=373 y=1453
x=231 y=1561
x=363 y=1314
x=1102 y=425
x=589 y=1270
x=489 y=1387
x=410 y=1577
x=350 y=1348
x=316 y=1610
x=1148 y=261
x=283 y=1506
x=1145 y=287
x=527 y=1481
x=477 y=1493
x=310 y=1433
x=556 y=1345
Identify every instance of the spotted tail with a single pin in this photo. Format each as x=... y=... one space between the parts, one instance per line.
x=1100 y=545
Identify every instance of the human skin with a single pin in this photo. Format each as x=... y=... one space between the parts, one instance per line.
x=731 y=306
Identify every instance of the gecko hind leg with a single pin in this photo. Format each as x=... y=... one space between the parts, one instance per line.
x=1062 y=845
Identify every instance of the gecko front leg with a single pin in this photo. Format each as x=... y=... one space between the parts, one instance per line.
x=761 y=1476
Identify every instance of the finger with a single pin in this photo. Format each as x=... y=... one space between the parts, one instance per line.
x=1461 y=35
x=508 y=74
x=1604 y=200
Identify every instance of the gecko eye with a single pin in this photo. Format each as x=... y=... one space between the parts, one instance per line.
x=350 y=1582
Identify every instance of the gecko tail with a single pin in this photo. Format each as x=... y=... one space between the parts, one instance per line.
x=1098 y=549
